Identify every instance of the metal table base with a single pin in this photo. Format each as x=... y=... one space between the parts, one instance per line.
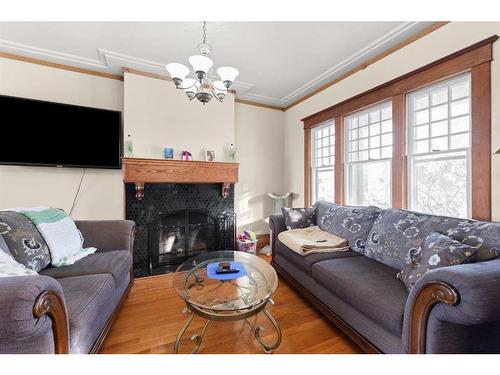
x=211 y=316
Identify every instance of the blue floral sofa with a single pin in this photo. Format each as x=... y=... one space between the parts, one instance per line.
x=454 y=309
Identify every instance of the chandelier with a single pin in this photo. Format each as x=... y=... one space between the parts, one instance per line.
x=202 y=87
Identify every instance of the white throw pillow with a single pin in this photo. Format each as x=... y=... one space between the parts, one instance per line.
x=59 y=231
x=3 y=245
x=9 y=267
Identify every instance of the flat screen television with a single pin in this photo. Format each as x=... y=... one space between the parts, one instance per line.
x=35 y=132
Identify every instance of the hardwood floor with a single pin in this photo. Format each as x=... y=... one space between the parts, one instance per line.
x=152 y=316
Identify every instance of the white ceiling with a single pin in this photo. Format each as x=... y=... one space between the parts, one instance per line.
x=279 y=62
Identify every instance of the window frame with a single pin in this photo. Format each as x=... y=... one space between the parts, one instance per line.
x=476 y=59
x=412 y=157
x=347 y=141
x=314 y=168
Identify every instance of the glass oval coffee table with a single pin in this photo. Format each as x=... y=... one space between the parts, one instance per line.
x=226 y=297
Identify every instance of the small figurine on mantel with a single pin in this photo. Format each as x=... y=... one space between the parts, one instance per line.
x=186 y=155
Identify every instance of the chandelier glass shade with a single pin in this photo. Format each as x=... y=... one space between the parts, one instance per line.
x=197 y=83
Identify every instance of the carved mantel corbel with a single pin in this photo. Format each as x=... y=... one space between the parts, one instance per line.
x=139 y=191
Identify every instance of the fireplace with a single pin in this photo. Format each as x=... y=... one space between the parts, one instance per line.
x=182 y=234
x=180 y=208
x=177 y=221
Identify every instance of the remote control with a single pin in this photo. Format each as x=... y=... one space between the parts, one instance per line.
x=230 y=270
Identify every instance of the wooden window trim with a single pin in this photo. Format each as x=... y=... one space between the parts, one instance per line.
x=481 y=141
x=308 y=157
x=476 y=59
x=307 y=167
x=399 y=151
x=339 y=160
x=450 y=65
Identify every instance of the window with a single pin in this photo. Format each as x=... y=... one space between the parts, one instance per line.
x=441 y=162
x=323 y=162
x=368 y=156
x=439 y=148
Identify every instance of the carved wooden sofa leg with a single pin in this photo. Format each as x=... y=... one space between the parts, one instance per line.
x=51 y=304
x=425 y=299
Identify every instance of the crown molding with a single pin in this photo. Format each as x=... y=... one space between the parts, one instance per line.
x=348 y=62
x=166 y=78
x=371 y=61
x=262 y=99
x=257 y=104
x=60 y=66
x=121 y=62
x=116 y=61
x=354 y=63
x=111 y=64
x=25 y=50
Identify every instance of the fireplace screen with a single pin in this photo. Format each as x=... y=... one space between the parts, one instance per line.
x=179 y=235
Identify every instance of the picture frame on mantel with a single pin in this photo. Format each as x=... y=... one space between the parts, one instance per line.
x=210 y=155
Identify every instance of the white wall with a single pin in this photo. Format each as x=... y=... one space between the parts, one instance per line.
x=438 y=44
x=157 y=115
x=260 y=147
x=101 y=196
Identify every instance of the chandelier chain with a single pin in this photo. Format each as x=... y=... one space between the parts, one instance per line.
x=204 y=32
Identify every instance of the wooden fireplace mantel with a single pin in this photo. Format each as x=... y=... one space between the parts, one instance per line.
x=140 y=171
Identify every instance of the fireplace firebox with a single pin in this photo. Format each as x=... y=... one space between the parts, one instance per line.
x=182 y=234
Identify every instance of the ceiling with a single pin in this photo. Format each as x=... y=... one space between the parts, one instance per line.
x=279 y=62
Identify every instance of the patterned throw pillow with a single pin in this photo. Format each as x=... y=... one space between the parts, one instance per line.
x=350 y=222
x=25 y=243
x=482 y=234
x=397 y=234
x=299 y=217
x=437 y=251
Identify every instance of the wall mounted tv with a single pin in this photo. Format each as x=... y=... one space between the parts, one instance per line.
x=35 y=132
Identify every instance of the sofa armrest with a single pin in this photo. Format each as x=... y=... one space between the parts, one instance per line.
x=108 y=235
x=465 y=294
x=32 y=306
x=277 y=223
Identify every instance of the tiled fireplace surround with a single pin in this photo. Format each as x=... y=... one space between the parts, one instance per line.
x=164 y=199
x=168 y=200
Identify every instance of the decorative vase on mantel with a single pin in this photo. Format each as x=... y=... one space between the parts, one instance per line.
x=129 y=147
x=231 y=153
